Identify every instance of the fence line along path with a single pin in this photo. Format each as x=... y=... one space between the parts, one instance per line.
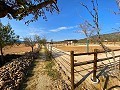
x=87 y=67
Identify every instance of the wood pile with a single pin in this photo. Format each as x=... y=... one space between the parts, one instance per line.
x=13 y=73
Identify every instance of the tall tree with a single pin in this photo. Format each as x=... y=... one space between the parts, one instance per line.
x=95 y=24
x=18 y=9
x=7 y=37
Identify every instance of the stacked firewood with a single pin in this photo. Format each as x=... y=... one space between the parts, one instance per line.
x=12 y=74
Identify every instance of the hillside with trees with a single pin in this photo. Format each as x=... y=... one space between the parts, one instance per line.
x=112 y=37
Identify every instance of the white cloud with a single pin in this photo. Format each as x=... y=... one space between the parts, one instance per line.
x=117 y=23
x=62 y=28
x=37 y=31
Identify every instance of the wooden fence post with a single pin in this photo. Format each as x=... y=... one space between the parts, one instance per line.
x=72 y=69
x=95 y=66
x=48 y=47
x=51 y=48
x=119 y=63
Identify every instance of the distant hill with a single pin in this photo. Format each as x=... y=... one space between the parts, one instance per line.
x=112 y=37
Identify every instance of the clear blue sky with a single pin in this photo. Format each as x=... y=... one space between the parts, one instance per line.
x=62 y=26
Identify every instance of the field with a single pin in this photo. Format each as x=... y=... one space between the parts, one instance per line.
x=16 y=49
x=82 y=48
x=77 y=48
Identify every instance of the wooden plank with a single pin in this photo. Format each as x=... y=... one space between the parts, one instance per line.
x=119 y=63
x=91 y=61
x=79 y=54
x=83 y=63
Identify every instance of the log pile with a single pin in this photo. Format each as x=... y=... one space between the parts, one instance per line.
x=12 y=73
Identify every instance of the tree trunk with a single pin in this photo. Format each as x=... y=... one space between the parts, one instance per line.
x=114 y=42
x=32 y=56
x=87 y=47
x=32 y=49
x=1 y=55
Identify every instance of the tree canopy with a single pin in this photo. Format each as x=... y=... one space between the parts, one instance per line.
x=7 y=37
x=18 y=9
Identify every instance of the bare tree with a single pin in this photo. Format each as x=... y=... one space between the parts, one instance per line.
x=95 y=24
x=118 y=4
x=29 y=41
x=118 y=34
x=44 y=41
x=88 y=31
x=38 y=41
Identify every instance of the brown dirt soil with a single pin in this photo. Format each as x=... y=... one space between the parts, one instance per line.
x=39 y=80
x=16 y=49
x=82 y=48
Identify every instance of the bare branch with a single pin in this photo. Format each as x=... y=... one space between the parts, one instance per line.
x=87 y=9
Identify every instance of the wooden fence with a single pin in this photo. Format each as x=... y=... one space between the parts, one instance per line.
x=95 y=53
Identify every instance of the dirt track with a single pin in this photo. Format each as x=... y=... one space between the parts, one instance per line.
x=40 y=80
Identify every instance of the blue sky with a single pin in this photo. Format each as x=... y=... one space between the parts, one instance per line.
x=62 y=26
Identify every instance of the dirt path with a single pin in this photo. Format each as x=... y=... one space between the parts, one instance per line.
x=39 y=80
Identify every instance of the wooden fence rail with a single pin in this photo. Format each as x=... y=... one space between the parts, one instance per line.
x=92 y=61
x=95 y=53
x=89 y=53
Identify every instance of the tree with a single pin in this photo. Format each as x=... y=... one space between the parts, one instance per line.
x=18 y=9
x=38 y=41
x=118 y=4
x=95 y=24
x=44 y=41
x=30 y=42
x=88 y=31
x=7 y=37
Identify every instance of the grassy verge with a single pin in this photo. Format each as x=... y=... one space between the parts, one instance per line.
x=51 y=71
x=50 y=66
x=48 y=54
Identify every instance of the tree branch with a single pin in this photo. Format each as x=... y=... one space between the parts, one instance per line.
x=87 y=9
x=5 y=9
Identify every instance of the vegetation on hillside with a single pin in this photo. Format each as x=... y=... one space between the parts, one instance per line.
x=112 y=37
